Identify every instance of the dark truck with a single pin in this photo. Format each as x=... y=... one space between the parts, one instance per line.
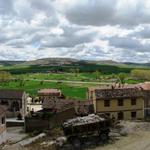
x=83 y=127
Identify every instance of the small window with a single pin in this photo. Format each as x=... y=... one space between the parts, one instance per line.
x=3 y=120
x=106 y=103
x=120 y=102
x=133 y=101
x=120 y=116
x=133 y=115
x=27 y=109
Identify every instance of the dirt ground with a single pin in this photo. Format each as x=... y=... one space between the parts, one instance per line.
x=137 y=137
x=137 y=141
x=15 y=134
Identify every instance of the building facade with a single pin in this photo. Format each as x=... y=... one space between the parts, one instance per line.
x=48 y=97
x=14 y=101
x=83 y=108
x=2 y=124
x=146 y=96
x=122 y=102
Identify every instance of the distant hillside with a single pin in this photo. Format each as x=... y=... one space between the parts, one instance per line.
x=137 y=64
x=68 y=65
x=51 y=62
x=69 y=61
x=10 y=63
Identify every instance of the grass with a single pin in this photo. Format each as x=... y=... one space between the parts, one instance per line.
x=70 y=90
x=109 y=73
x=62 y=76
x=105 y=69
x=31 y=87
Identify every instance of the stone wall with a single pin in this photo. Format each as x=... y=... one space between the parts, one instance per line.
x=2 y=134
x=37 y=123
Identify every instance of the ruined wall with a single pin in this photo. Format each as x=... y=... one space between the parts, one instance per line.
x=32 y=123
x=3 y=137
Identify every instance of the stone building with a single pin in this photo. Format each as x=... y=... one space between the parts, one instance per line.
x=146 y=95
x=51 y=116
x=14 y=101
x=83 y=107
x=2 y=124
x=119 y=101
x=48 y=97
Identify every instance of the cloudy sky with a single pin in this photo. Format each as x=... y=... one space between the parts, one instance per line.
x=84 y=29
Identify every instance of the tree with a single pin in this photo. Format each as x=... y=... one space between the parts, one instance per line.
x=41 y=82
x=141 y=74
x=97 y=74
x=22 y=82
x=121 y=77
x=5 y=77
x=77 y=70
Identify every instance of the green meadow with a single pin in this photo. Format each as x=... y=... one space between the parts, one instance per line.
x=80 y=77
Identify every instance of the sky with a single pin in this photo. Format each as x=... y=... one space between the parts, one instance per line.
x=116 y=30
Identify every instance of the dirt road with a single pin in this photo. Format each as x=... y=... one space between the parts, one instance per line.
x=138 y=139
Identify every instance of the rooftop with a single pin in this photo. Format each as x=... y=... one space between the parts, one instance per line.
x=58 y=105
x=117 y=91
x=49 y=91
x=11 y=94
x=145 y=86
x=116 y=86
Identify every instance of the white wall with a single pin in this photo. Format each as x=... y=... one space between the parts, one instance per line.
x=3 y=137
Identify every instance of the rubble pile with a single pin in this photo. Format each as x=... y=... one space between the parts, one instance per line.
x=92 y=118
x=134 y=127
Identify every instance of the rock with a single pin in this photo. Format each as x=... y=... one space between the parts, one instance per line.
x=124 y=132
x=13 y=147
x=61 y=141
x=114 y=134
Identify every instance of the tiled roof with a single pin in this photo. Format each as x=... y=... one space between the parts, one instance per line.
x=11 y=94
x=49 y=92
x=58 y=105
x=117 y=91
x=145 y=86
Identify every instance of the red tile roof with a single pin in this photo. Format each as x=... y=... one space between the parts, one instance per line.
x=49 y=92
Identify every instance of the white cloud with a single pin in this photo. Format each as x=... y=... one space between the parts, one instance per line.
x=87 y=29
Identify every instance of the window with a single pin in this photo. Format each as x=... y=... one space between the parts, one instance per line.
x=120 y=116
x=106 y=103
x=133 y=115
x=3 y=120
x=3 y=102
x=15 y=106
x=27 y=109
x=120 y=102
x=133 y=101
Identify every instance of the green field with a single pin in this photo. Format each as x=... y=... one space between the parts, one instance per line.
x=74 y=92
x=38 y=77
